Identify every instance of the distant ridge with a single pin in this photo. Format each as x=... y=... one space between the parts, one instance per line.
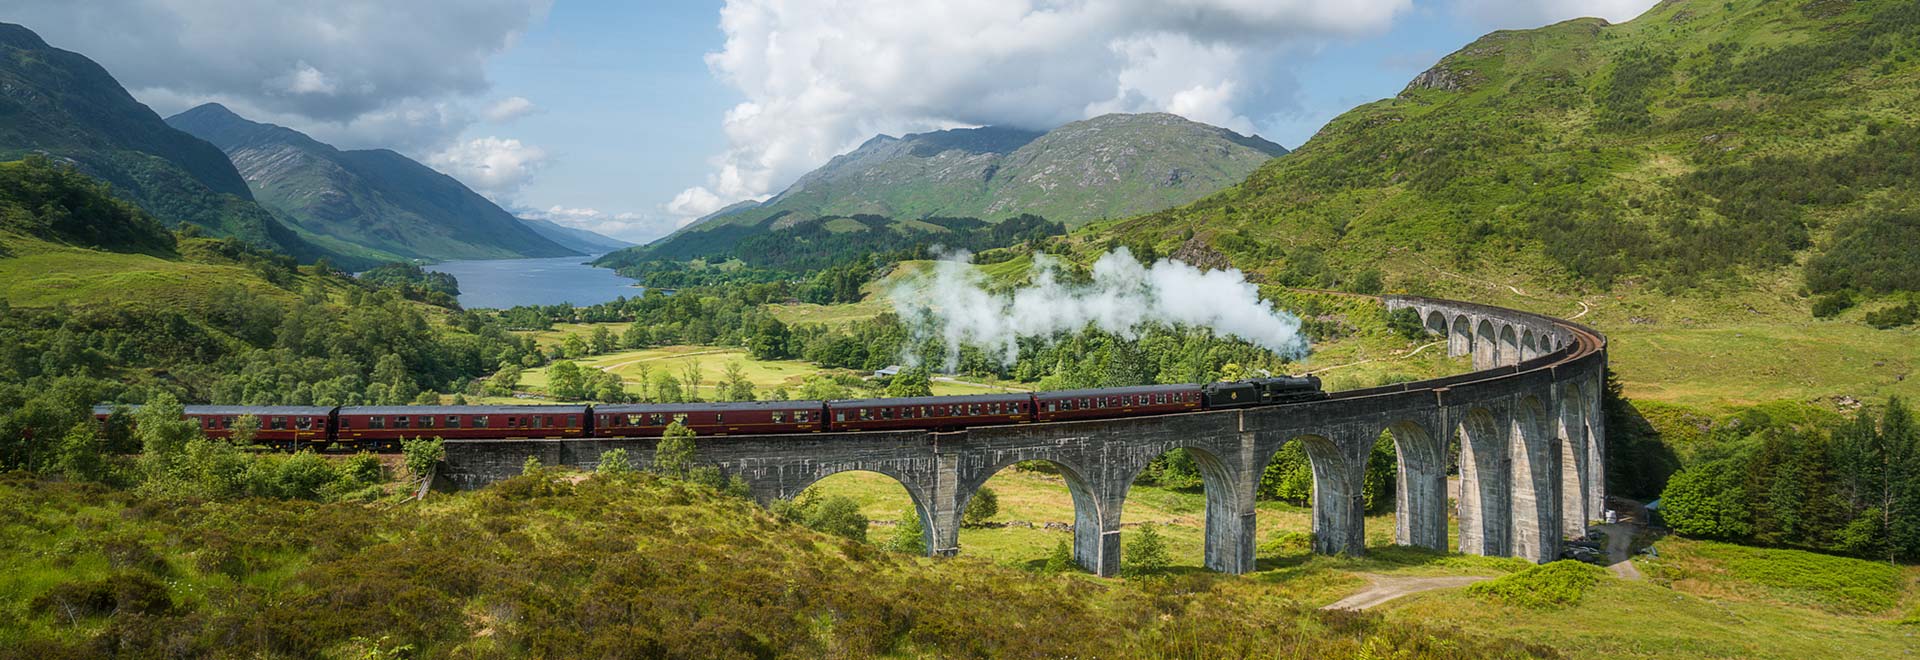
x=373 y=202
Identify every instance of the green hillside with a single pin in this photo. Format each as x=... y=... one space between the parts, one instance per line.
x=1111 y=166
x=374 y=202
x=1703 y=148
x=63 y=105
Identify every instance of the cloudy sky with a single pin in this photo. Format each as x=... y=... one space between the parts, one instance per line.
x=632 y=117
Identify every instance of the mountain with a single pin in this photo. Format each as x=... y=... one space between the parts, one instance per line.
x=578 y=240
x=65 y=106
x=1113 y=165
x=375 y=202
x=1703 y=146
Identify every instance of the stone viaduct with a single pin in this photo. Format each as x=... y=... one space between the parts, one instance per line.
x=1526 y=421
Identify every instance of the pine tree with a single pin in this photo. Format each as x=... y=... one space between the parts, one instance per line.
x=1148 y=552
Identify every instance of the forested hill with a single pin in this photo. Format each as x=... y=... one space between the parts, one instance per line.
x=1110 y=166
x=62 y=104
x=1706 y=144
x=374 y=202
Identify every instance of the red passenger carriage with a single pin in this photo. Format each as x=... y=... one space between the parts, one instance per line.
x=1116 y=402
x=384 y=426
x=930 y=412
x=651 y=420
x=287 y=427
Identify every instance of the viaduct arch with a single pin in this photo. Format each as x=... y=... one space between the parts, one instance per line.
x=1527 y=421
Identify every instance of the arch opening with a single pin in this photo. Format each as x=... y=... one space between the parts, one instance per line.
x=1437 y=323
x=887 y=510
x=1309 y=471
x=1482 y=500
x=1460 y=341
x=1486 y=346
x=1418 y=483
x=1509 y=347
x=1529 y=349
x=1029 y=519
x=1186 y=495
x=1535 y=498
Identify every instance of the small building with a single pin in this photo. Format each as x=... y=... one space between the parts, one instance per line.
x=889 y=372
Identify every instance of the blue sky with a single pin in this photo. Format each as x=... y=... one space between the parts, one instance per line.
x=630 y=118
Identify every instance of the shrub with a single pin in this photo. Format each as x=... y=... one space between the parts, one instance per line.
x=1832 y=304
x=1060 y=560
x=1147 y=553
x=613 y=463
x=421 y=455
x=908 y=536
x=983 y=507
x=122 y=593
x=1406 y=323
x=1894 y=317
x=1547 y=586
x=362 y=467
x=674 y=455
x=840 y=516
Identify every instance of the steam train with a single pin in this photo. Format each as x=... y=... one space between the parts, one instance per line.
x=380 y=428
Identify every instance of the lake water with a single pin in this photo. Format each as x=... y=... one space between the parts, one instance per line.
x=503 y=283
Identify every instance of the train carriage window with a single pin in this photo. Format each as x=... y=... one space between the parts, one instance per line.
x=778 y=416
x=718 y=419
x=993 y=408
x=400 y=422
x=346 y=422
x=973 y=409
x=226 y=422
x=303 y=423
x=377 y=422
x=802 y=416
x=1086 y=403
x=659 y=419
x=425 y=422
x=453 y=421
x=865 y=414
x=1160 y=398
x=480 y=421
x=513 y=422
x=681 y=418
x=923 y=412
x=886 y=413
x=573 y=421
x=839 y=415
x=279 y=424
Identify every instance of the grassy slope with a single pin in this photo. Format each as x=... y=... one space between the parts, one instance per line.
x=1438 y=189
x=40 y=274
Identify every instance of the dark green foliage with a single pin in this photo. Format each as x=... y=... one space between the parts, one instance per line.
x=1872 y=253
x=1832 y=304
x=913 y=381
x=1406 y=323
x=1623 y=105
x=1894 y=316
x=1547 y=586
x=908 y=535
x=1060 y=559
x=55 y=202
x=415 y=283
x=128 y=594
x=840 y=516
x=1849 y=487
x=982 y=508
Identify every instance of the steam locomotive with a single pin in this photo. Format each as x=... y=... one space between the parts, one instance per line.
x=380 y=428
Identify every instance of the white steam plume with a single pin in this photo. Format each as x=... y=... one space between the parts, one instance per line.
x=1123 y=298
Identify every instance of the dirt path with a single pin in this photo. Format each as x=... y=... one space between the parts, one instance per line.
x=1386 y=588
x=1414 y=352
x=1583 y=310
x=1620 y=550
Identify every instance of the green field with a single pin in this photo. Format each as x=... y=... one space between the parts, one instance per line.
x=713 y=360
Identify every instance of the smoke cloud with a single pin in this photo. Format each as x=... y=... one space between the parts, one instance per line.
x=1124 y=298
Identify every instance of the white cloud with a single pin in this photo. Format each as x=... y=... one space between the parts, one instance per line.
x=819 y=77
x=509 y=109
x=1535 y=13
x=496 y=167
x=635 y=227
x=349 y=64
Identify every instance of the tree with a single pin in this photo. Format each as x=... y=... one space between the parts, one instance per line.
x=1704 y=501
x=1060 y=560
x=674 y=455
x=163 y=432
x=910 y=382
x=82 y=454
x=735 y=385
x=690 y=379
x=608 y=387
x=613 y=463
x=602 y=340
x=575 y=347
x=840 y=516
x=245 y=428
x=636 y=336
x=769 y=340
x=427 y=398
x=1148 y=552
x=565 y=381
x=504 y=380
x=983 y=507
x=820 y=387
x=666 y=388
x=908 y=536
x=421 y=455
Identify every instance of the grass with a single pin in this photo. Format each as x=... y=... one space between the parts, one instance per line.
x=1547 y=586
x=1841 y=585
x=713 y=360
x=35 y=273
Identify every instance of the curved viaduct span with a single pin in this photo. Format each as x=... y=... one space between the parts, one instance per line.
x=1527 y=421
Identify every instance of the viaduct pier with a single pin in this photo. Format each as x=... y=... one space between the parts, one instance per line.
x=1527 y=422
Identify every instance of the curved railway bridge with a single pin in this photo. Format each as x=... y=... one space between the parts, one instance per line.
x=1527 y=421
